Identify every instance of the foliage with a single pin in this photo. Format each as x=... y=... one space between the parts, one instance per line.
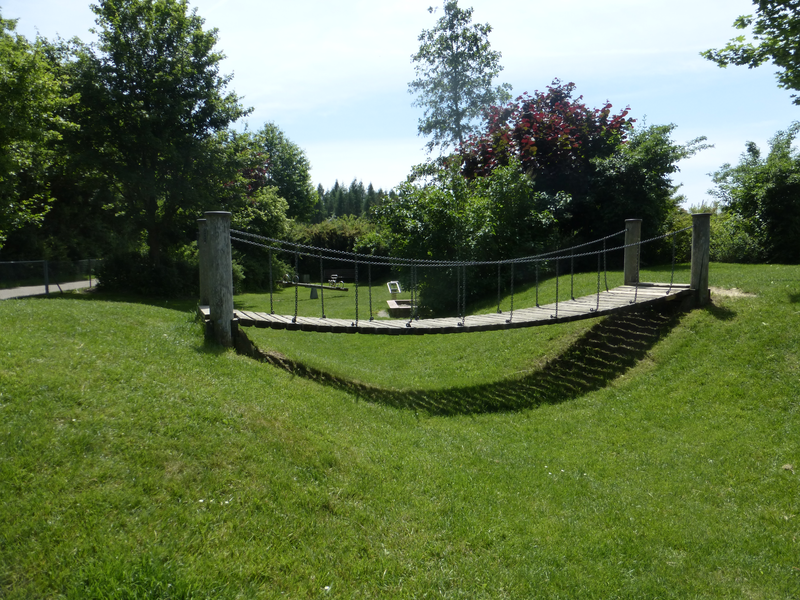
x=355 y=200
x=348 y=233
x=134 y=272
x=31 y=124
x=635 y=182
x=440 y=214
x=455 y=67
x=551 y=134
x=341 y=233
x=604 y=169
x=776 y=31
x=764 y=194
x=285 y=167
x=152 y=100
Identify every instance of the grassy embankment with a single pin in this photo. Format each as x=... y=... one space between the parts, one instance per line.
x=136 y=461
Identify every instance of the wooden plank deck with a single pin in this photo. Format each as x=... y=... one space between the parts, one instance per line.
x=619 y=299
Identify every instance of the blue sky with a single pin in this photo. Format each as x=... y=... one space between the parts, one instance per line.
x=333 y=74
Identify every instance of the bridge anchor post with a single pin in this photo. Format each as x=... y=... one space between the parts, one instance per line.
x=217 y=274
x=701 y=244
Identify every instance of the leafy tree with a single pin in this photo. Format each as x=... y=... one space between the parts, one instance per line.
x=152 y=100
x=455 y=67
x=287 y=168
x=551 y=134
x=600 y=167
x=438 y=213
x=634 y=182
x=776 y=33
x=31 y=124
x=764 y=194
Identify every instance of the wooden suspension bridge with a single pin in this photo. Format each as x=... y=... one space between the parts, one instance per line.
x=620 y=299
x=221 y=318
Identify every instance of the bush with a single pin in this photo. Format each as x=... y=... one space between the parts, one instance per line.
x=133 y=272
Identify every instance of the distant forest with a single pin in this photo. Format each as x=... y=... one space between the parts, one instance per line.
x=341 y=200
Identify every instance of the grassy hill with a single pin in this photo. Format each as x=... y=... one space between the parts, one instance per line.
x=137 y=461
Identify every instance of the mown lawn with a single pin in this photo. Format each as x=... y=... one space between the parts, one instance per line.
x=138 y=461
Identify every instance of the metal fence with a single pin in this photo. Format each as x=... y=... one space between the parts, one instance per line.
x=50 y=274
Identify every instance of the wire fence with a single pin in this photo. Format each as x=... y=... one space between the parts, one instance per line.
x=51 y=274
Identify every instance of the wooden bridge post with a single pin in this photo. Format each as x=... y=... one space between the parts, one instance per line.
x=633 y=235
x=202 y=251
x=219 y=274
x=701 y=245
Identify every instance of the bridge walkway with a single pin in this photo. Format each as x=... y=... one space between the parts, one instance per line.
x=620 y=299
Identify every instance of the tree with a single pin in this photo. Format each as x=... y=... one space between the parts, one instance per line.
x=551 y=134
x=764 y=194
x=30 y=125
x=455 y=67
x=152 y=101
x=287 y=168
x=599 y=168
x=439 y=213
x=776 y=33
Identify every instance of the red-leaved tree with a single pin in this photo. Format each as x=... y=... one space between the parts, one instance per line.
x=553 y=136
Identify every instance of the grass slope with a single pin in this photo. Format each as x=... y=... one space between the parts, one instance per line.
x=138 y=462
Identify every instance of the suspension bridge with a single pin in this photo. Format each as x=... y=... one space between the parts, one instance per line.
x=216 y=303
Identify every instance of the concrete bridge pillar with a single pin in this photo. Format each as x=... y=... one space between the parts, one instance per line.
x=218 y=274
x=633 y=235
x=701 y=246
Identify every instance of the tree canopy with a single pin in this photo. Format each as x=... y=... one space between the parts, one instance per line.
x=776 y=34
x=455 y=67
x=762 y=192
x=153 y=100
x=31 y=122
x=286 y=167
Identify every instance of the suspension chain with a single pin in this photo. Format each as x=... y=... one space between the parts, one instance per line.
x=555 y=316
x=572 y=277
x=296 y=279
x=271 y=307
x=638 y=274
x=322 y=286
x=511 y=311
x=499 y=312
x=369 y=280
x=597 y=307
x=355 y=323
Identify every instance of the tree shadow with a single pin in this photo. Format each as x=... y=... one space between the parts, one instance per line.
x=603 y=353
x=96 y=295
x=721 y=313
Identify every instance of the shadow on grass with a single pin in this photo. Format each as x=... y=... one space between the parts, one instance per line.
x=721 y=313
x=794 y=298
x=95 y=294
x=602 y=354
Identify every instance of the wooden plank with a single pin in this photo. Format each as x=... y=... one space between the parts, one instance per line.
x=615 y=300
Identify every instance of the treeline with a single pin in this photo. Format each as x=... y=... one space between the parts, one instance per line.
x=354 y=200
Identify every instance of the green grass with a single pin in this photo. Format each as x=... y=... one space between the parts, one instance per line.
x=432 y=361
x=137 y=461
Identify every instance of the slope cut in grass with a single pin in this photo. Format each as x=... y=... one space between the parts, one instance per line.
x=602 y=353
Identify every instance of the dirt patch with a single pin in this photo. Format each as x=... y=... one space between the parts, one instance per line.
x=730 y=293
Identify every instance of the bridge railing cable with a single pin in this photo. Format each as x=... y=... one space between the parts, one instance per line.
x=544 y=260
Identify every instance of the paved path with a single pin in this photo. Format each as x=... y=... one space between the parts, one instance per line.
x=39 y=290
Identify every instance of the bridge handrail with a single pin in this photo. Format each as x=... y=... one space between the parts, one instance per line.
x=390 y=261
